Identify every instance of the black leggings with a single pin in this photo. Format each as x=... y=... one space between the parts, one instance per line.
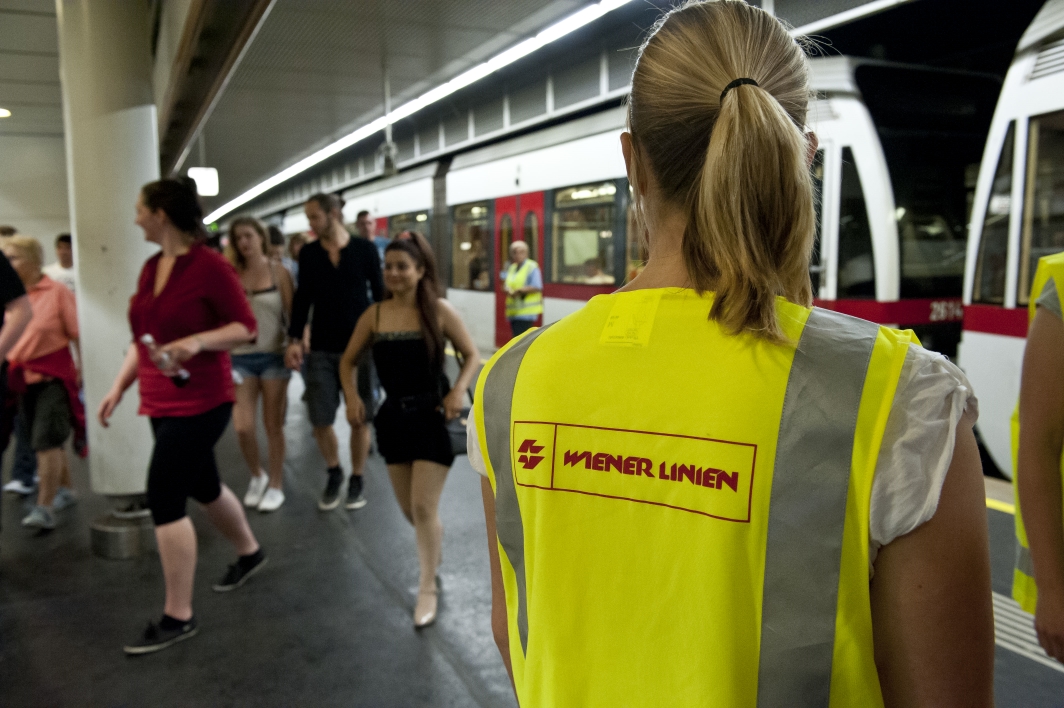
x=182 y=463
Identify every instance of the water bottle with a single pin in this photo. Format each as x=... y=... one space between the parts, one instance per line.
x=182 y=376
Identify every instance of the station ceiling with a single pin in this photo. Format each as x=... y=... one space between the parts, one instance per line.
x=314 y=72
x=29 y=69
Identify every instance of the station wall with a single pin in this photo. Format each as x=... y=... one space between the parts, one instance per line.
x=33 y=187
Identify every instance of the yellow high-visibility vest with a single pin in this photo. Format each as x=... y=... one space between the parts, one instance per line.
x=526 y=305
x=683 y=514
x=1024 y=590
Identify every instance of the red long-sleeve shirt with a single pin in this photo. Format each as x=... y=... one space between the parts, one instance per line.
x=202 y=293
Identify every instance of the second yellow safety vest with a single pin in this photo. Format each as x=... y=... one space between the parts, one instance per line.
x=683 y=514
x=525 y=305
x=1024 y=590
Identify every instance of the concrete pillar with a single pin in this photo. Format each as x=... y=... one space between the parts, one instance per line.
x=112 y=149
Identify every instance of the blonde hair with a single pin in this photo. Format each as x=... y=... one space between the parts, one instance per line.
x=233 y=253
x=27 y=247
x=736 y=163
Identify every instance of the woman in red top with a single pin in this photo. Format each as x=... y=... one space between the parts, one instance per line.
x=188 y=311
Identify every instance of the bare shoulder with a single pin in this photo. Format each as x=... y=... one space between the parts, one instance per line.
x=445 y=309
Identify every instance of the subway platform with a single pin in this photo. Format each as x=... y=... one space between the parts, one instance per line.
x=328 y=621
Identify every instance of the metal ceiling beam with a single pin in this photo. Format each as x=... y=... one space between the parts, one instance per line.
x=216 y=35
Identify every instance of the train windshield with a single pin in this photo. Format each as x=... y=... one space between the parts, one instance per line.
x=582 y=238
x=1043 y=199
x=932 y=126
x=471 y=255
x=990 y=267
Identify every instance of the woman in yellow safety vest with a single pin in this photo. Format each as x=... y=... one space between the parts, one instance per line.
x=699 y=490
x=1038 y=449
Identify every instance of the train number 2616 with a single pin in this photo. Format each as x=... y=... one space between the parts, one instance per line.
x=946 y=310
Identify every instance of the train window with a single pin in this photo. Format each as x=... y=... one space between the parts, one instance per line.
x=530 y=234
x=815 y=269
x=583 y=234
x=994 y=241
x=470 y=266
x=1043 y=200
x=856 y=275
x=506 y=236
x=417 y=221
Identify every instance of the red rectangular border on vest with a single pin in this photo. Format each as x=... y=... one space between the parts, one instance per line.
x=994 y=319
x=527 y=454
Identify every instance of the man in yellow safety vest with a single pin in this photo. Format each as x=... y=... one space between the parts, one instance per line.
x=523 y=282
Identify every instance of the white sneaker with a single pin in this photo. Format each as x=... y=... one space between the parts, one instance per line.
x=272 y=500
x=256 y=488
x=17 y=486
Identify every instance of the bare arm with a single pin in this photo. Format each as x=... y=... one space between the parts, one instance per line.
x=349 y=364
x=17 y=314
x=1038 y=477
x=499 y=627
x=126 y=376
x=455 y=330
x=287 y=288
x=931 y=609
x=221 y=339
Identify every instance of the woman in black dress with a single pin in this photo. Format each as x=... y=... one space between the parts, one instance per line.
x=407 y=332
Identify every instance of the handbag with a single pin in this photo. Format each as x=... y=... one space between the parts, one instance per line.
x=456 y=428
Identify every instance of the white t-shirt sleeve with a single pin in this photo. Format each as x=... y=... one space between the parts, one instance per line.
x=476 y=460
x=932 y=399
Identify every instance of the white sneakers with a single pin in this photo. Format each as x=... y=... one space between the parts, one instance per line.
x=256 y=489
x=271 y=500
x=261 y=497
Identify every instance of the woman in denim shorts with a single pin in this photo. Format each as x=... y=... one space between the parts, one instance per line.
x=259 y=367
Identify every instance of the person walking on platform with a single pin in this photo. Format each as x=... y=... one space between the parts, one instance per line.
x=700 y=490
x=44 y=374
x=1038 y=461
x=188 y=311
x=523 y=282
x=407 y=333
x=16 y=314
x=62 y=271
x=260 y=366
x=336 y=275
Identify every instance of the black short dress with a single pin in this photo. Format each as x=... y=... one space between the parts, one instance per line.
x=410 y=424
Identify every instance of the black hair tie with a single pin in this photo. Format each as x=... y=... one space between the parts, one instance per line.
x=734 y=84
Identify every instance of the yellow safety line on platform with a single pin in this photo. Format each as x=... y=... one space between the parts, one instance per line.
x=1000 y=506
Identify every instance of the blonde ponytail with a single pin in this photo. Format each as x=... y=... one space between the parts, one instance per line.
x=734 y=161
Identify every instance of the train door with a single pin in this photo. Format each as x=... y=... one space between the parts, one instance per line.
x=518 y=218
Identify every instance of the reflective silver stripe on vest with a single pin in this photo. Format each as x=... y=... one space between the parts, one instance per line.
x=1024 y=563
x=810 y=484
x=498 y=402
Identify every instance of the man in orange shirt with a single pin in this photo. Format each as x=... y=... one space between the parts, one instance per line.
x=44 y=372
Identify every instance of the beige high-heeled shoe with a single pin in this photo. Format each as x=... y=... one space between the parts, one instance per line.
x=425 y=610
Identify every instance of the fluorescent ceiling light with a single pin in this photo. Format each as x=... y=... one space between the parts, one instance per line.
x=4 y=113
x=554 y=32
x=206 y=179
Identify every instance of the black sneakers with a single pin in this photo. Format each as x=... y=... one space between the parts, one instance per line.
x=330 y=498
x=355 y=498
x=239 y=572
x=161 y=635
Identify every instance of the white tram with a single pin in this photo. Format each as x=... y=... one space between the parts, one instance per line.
x=1018 y=217
x=896 y=143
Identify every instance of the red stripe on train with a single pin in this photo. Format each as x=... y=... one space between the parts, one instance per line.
x=576 y=291
x=992 y=319
x=906 y=313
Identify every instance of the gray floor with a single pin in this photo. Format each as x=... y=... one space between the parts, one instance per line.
x=327 y=623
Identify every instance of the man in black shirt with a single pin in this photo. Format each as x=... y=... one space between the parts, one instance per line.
x=337 y=273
